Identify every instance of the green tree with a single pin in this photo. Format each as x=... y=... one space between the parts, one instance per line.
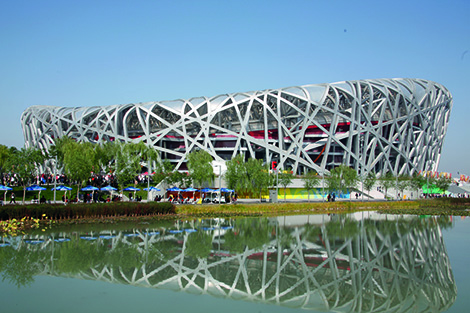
x=79 y=161
x=163 y=171
x=235 y=171
x=57 y=151
x=387 y=181
x=369 y=182
x=311 y=180
x=127 y=163
x=148 y=155
x=256 y=177
x=443 y=183
x=180 y=179
x=342 y=178
x=200 y=167
x=430 y=184
x=55 y=157
x=285 y=179
x=105 y=154
x=403 y=182
x=249 y=177
x=4 y=156
x=25 y=164
x=417 y=183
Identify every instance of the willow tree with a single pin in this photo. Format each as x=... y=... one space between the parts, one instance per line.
x=402 y=182
x=105 y=154
x=200 y=167
x=163 y=171
x=4 y=156
x=55 y=158
x=127 y=162
x=25 y=163
x=250 y=177
x=342 y=178
x=285 y=178
x=311 y=180
x=443 y=183
x=148 y=155
x=235 y=172
x=79 y=161
x=57 y=151
x=387 y=181
x=417 y=183
x=256 y=178
x=369 y=182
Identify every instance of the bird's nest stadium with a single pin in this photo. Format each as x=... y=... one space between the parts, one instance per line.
x=378 y=125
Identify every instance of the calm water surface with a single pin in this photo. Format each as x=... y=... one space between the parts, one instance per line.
x=363 y=262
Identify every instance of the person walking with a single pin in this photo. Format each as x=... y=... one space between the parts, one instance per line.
x=12 y=198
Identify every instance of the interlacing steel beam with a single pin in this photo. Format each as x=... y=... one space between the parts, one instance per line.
x=377 y=125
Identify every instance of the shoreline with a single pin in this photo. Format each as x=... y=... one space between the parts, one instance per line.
x=136 y=211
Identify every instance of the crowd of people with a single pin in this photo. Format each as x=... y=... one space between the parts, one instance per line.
x=48 y=179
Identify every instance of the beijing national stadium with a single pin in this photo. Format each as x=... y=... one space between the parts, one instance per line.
x=377 y=125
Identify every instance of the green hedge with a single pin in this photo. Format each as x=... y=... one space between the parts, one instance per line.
x=445 y=202
x=85 y=210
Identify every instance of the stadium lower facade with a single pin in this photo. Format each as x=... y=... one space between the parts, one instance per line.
x=377 y=125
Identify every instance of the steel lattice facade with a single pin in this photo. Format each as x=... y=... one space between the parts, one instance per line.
x=381 y=125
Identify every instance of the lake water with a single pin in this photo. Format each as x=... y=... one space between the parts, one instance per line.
x=364 y=262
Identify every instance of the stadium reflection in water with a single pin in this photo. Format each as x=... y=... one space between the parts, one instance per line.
x=348 y=263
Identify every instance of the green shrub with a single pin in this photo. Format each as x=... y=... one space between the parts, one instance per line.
x=85 y=210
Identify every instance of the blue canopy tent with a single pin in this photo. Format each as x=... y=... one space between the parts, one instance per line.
x=190 y=189
x=149 y=189
x=219 y=195
x=206 y=190
x=152 y=189
x=62 y=188
x=108 y=188
x=4 y=188
x=36 y=188
x=131 y=189
x=226 y=190
x=90 y=188
x=175 y=189
x=134 y=189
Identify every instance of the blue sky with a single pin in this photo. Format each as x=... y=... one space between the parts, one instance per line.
x=85 y=53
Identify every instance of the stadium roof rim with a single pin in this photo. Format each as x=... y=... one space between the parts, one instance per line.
x=182 y=101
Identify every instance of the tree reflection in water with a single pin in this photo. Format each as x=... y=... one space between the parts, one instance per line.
x=339 y=262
